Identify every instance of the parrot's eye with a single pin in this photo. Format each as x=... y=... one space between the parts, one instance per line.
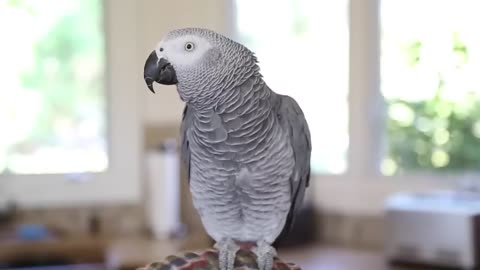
x=161 y=49
x=189 y=46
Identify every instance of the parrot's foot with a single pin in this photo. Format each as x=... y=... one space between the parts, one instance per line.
x=265 y=255
x=227 y=251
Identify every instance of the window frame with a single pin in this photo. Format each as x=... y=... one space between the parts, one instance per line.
x=362 y=189
x=121 y=181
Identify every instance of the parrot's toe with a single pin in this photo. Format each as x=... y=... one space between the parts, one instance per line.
x=265 y=255
x=227 y=251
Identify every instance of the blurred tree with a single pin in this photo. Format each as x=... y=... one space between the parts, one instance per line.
x=56 y=98
x=67 y=67
x=438 y=133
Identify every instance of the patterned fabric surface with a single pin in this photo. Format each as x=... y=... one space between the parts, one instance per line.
x=208 y=260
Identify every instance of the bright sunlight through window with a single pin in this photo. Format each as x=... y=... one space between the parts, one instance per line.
x=302 y=47
x=52 y=99
x=430 y=67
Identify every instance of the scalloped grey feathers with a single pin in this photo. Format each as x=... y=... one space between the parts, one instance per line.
x=246 y=148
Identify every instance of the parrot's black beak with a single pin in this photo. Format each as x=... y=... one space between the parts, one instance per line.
x=160 y=71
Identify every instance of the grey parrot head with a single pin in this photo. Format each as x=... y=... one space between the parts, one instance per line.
x=200 y=62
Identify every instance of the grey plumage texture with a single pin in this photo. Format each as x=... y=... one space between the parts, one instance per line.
x=246 y=148
x=248 y=153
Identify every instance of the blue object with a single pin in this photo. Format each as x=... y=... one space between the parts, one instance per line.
x=32 y=232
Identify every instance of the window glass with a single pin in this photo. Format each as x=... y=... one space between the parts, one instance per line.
x=53 y=99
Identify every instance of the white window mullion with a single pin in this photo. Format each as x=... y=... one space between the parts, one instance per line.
x=365 y=101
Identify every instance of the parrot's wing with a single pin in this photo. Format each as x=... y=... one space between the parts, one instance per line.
x=185 y=147
x=294 y=123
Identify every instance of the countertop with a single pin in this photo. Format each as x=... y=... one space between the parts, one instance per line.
x=134 y=252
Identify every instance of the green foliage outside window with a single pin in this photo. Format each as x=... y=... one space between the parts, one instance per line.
x=53 y=98
x=439 y=133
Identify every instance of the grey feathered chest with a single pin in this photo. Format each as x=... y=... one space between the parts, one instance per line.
x=240 y=165
x=242 y=131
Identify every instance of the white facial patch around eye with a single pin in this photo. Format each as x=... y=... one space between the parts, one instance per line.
x=159 y=49
x=179 y=56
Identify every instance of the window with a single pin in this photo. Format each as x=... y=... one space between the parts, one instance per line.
x=428 y=79
x=430 y=64
x=302 y=47
x=52 y=102
x=69 y=120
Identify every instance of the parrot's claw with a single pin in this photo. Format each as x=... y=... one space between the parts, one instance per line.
x=265 y=255
x=227 y=251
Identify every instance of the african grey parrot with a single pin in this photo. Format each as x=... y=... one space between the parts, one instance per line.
x=247 y=149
